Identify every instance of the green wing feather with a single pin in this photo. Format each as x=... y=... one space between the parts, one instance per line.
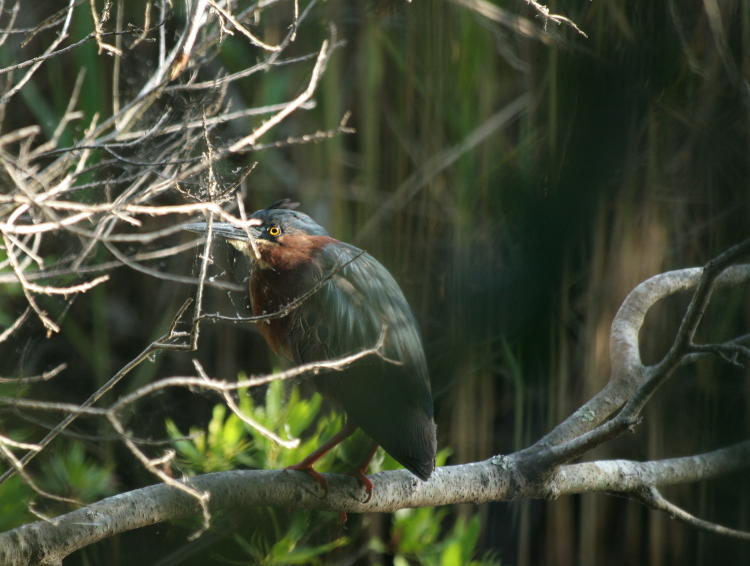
x=391 y=402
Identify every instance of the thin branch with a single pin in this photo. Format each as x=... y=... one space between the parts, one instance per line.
x=198 y=19
x=730 y=351
x=5 y=334
x=46 y=376
x=249 y=141
x=204 y=383
x=154 y=466
x=548 y=16
x=138 y=135
x=509 y=20
x=222 y=386
x=291 y=305
x=651 y=497
x=75 y=410
x=19 y=468
x=15 y=444
x=9 y=29
x=249 y=421
x=49 y=53
x=698 y=304
x=98 y=21
x=242 y=29
x=46 y=321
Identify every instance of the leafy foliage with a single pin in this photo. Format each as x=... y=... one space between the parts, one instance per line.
x=14 y=497
x=71 y=473
x=417 y=536
x=274 y=536
x=228 y=443
x=68 y=472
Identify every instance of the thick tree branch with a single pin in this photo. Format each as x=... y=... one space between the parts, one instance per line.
x=496 y=479
x=632 y=383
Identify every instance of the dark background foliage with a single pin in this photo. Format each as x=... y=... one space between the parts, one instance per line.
x=627 y=155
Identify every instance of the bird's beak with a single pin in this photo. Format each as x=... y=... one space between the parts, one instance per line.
x=227 y=231
x=235 y=236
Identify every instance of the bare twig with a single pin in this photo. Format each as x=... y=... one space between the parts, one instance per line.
x=249 y=141
x=651 y=497
x=197 y=20
x=75 y=410
x=242 y=29
x=19 y=468
x=46 y=376
x=18 y=271
x=35 y=66
x=15 y=326
x=98 y=21
x=154 y=466
x=249 y=421
x=513 y=22
x=548 y=16
x=291 y=305
x=15 y=444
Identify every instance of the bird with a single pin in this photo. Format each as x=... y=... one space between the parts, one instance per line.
x=350 y=298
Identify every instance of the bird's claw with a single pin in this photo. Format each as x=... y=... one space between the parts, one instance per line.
x=365 y=482
x=314 y=474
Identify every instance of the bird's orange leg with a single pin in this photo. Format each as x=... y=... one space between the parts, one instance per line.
x=360 y=475
x=306 y=465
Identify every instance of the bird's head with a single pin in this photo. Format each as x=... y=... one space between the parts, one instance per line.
x=276 y=237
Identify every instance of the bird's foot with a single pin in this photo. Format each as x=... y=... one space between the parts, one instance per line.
x=314 y=474
x=365 y=482
x=360 y=476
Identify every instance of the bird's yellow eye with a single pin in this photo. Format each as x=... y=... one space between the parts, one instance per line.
x=274 y=230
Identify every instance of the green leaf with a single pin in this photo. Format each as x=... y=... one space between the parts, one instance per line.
x=307 y=554
x=14 y=497
x=69 y=472
x=452 y=554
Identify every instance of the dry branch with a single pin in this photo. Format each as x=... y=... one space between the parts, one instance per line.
x=492 y=480
x=44 y=206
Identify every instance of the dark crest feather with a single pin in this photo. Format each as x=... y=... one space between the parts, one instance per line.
x=285 y=203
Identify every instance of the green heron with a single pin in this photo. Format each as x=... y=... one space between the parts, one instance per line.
x=387 y=397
